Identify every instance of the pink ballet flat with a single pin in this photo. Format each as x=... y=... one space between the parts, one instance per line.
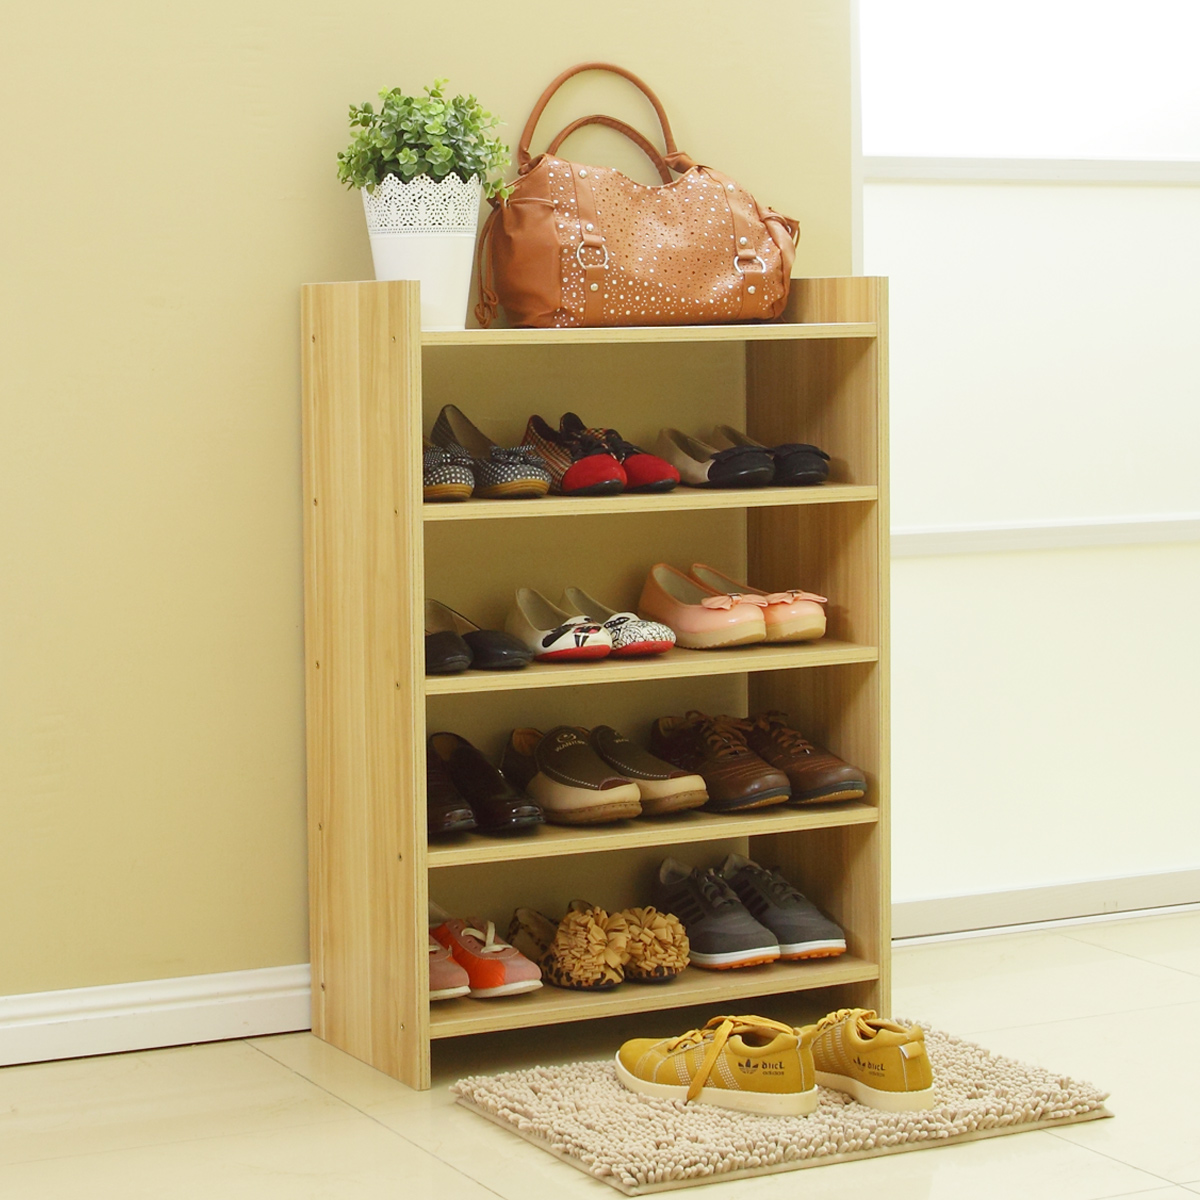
x=688 y=608
x=792 y=616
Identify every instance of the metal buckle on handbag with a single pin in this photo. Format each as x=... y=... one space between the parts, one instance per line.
x=603 y=246
x=737 y=264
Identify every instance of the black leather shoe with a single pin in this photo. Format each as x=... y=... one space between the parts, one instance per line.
x=446 y=653
x=490 y=649
x=797 y=464
x=445 y=810
x=497 y=805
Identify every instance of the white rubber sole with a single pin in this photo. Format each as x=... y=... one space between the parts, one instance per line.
x=735 y=958
x=829 y=947
x=799 y=629
x=785 y=1104
x=507 y=989
x=450 y=993
x=874 y=1098
x=579 y=805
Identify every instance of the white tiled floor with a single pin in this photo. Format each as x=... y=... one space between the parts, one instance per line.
x=1117 y=1003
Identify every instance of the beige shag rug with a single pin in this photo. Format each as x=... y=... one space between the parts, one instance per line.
x=581 y=1114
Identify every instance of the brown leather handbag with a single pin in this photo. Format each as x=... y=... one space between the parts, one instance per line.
x=582 y=245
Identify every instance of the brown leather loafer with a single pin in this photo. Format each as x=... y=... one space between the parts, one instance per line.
x=445 y=809
x=568 y=778
x=816 y=775
x=496 y=805
x=664 y=788
x=715 y=748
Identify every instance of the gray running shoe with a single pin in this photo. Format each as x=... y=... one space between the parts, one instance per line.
x=802 y=929
x=721 y=932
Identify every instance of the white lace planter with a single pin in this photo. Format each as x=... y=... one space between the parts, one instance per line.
x=425 y=230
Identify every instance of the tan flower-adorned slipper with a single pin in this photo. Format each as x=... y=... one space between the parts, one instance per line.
x=578 y=953
x=655 y=943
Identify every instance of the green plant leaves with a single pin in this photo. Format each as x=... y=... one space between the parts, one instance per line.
x=423 y=135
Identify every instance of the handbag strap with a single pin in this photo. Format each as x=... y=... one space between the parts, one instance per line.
x=632 y=134
x=673 y=158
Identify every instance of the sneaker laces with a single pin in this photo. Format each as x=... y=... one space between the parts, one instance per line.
x=859 y=1015
x=774 y=724
x=491 y=943
x=717 y=1032
x=774 y=883
x=583 y=442
x=617 y=446
x=723 y=736
x=714 y=889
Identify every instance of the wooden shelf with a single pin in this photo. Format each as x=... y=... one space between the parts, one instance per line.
x=772 y=331
x=675 y=664
x=551 y=841
x=684 y=499
x=551 y=1006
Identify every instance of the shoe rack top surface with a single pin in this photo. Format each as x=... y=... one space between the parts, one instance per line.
x=682 y=499
x=769 y=331
x=672 y=665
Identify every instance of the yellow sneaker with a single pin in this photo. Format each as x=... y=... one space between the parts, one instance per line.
x=749 y=1064
x=878 y=1062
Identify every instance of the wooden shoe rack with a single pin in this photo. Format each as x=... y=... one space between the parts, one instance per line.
x=372 y=551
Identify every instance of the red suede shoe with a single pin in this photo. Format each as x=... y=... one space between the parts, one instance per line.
x=644 y=472
x=580 y=464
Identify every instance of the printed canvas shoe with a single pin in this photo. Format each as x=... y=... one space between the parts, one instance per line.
x=584 y=952
x=446 y=809
x=715 y=749
x=570 y=781
x=801 y=929
x=797 y=464
x=580 y=464
x=702 y=465
x=656 y=947
x=446 y=473
x=493 y=967
x=497 y=807
x=878 y=1062
x=816 y=776
x=748 y=1064
x=721 y=932
x=644 y=472
x=490 y=649
x=701 y=619
x=501 y=472
x=793 y=616
x=446 y=978
x=631 y=635
x=553 y=635
x=663 y=788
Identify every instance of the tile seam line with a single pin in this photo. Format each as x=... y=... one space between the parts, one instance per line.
x=376 y=1121
x=1136 y=957
x=1057 y=1133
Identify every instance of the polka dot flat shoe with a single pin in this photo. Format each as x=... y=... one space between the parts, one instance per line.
x=631 y=636
x=501 y=472
x=446 y=473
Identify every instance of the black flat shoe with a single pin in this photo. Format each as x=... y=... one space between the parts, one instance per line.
x=446 y=653
x=797 y=464
x=497 y=805
x=489 y=649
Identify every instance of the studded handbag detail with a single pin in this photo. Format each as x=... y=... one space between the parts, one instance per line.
x=577 y=245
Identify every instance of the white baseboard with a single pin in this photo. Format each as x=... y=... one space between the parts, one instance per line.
x=956 y=914
x=1046 y=535
x=1118 y=172
x=76 y=1022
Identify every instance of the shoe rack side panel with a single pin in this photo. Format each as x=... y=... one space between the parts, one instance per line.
x=364 y=672
x=834 y=394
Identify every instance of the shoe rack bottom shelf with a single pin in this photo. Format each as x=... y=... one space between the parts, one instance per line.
x=552 y=1006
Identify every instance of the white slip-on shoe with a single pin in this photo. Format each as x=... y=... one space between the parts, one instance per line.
x=554 y=635
x=632 y=636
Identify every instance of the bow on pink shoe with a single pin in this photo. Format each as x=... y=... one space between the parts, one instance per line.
x=728 y=601
x=792 y=597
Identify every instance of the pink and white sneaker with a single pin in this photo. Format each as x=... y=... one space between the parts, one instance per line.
x=632 y=636
x=553 y=634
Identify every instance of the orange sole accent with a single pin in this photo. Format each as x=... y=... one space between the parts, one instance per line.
x=575 y=652
x=637 y=649
x=810 y=954
x=749 y=962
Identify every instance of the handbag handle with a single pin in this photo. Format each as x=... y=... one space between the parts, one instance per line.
x=673 y=158
x=613 y=123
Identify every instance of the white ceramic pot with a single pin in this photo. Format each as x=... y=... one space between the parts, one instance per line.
x=425 y=230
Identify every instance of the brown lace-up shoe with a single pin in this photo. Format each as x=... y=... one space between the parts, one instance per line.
x=715 y=748
x=816 y=776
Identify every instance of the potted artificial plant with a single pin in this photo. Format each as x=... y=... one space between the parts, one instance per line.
x=422 y=164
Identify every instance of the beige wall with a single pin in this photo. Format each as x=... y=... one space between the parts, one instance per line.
x=168 y=183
